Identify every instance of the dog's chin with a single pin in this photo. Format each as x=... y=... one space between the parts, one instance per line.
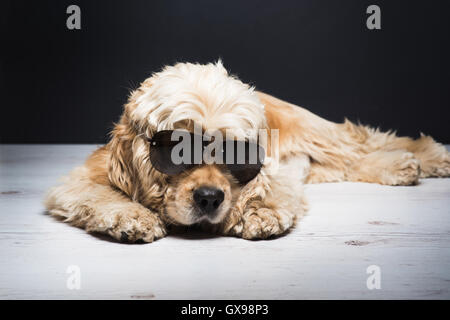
x=194 y=216
x=204 y=219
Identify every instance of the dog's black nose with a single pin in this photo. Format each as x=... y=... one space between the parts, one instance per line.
x=208 y=199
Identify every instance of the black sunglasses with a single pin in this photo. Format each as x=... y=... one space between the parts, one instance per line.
x=175 y=151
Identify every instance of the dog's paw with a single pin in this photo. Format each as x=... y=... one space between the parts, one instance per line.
x=438 y=166
x=137 y=226
x=260 y=224
x=434 y=157
x=404 y=171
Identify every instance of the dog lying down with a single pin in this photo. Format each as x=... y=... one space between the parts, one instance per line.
x=142 y=182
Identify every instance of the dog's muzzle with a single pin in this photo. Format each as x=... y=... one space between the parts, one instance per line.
x=208 y=200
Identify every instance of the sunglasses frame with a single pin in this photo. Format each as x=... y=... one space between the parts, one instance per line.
x=244 y=172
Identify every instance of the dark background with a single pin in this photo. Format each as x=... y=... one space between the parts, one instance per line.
x=68 y=86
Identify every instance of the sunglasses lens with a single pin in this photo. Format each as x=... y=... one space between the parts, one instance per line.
x=161 y=154
x=247 y=160
x=170 y=155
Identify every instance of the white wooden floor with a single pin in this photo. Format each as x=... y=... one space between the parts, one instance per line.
x=403 y=230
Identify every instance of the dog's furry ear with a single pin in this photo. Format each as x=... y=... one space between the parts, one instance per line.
x=121 y=171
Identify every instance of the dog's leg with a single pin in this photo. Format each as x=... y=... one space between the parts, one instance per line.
x=100 y=208
x=271 y=204
x=398 y=167
x=401 y=161
x=433 y=156
x=320 y=173
x=386 y=159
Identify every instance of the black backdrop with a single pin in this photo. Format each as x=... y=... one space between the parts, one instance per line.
x=63 y=86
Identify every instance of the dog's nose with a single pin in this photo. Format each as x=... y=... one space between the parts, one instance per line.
x=208 y=199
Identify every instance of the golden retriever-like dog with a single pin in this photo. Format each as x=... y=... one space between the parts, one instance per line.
x=118 y=192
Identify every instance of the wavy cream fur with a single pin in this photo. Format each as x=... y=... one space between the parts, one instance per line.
x=117 y=192
x=201 y=94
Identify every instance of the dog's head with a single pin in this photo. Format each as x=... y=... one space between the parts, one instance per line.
x=183 y=97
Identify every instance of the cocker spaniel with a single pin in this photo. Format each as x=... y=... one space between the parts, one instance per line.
x=134 y=189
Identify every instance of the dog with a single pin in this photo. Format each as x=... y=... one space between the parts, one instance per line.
x=122 y=189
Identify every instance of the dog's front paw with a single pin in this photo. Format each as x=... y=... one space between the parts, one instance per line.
x=261 y=223
x=137 y=226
